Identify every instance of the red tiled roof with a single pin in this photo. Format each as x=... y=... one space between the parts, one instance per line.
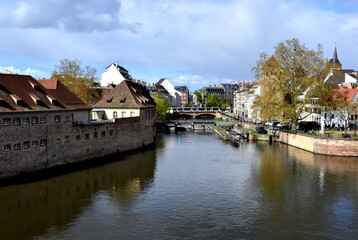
x=347 y=93
x=63 y=94
x=24 y=93
x=49 y=83
x=127 y=94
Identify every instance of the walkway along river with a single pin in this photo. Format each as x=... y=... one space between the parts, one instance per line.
x=192 y=186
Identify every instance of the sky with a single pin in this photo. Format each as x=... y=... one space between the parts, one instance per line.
x=191 y=42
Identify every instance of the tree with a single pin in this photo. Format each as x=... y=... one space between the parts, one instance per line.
x=201 y=96
x=345 y=106
x=224 y=106
x=162 y=105
x=213 y=101
x=80 y=80
x=286 y=78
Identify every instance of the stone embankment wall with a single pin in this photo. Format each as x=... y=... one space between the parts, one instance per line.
x=334 y=147
x=65 y=143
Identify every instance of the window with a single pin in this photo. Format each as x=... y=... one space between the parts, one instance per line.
x=7 y=147
x=123 y=114
x=87 y=136
x=7 y=121
x=67 y=138
x=67 y=118
x=132 y=114
x=26 y=120
x=43 y=142
x=111 y=132
x=34 y=120
x=115 y=114
x=27 y=144
x=103 y=134
x=35 y=143
x=95 y=134
x=16 y=121
x=17 y=146
x=58 y=140
x=42 y=120
x=57 y=118
x=78 y=137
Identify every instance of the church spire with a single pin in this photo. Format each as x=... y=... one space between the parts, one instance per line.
x=336 y=64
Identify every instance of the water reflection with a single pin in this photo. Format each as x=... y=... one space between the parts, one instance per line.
x=204 y=188
x=29 y=210
x=300 y=191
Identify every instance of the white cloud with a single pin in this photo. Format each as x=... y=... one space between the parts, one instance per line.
x=207 y=42
x=73 y=16
x=28 y=71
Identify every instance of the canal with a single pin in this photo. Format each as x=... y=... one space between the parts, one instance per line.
x=192 y=186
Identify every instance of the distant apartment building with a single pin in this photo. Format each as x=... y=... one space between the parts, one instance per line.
x=225 y=92
x=228 y=94
x=185 y=94
x=243 y=100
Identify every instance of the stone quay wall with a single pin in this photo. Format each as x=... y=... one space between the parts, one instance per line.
x=328 y=146
x=41 y=146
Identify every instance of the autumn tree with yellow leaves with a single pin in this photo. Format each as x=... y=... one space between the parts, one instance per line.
x=286 y=78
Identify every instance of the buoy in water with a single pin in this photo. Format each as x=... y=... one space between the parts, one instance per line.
x=189 y=141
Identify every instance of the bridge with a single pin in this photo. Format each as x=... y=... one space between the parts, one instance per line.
x=195 y=112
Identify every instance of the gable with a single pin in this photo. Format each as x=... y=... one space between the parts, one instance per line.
x=127 y=94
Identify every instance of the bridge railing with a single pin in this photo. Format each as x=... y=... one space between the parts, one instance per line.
x=193 y=109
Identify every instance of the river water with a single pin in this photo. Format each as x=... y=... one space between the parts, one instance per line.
x=192 y=186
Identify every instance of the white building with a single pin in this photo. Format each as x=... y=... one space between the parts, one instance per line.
x=243 y=101
x=114 y=74
x=127 y=100
x=167 y=88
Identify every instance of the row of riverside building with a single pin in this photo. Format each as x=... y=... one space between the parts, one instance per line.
x=346 y=81
x=44 y=125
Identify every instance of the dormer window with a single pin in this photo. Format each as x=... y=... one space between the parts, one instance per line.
x=3 y=88
x=15 y=98
x=109 y=100
x=54 y=102
x=32 y=84
x=122 y=100
x=38 y=101
x=51 y=99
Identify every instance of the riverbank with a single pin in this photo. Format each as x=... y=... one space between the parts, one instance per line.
x=319 y=145
x=324 y=146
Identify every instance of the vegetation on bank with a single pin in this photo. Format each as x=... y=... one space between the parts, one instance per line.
x=79 y=79
x=286 y=76
x=162 y=105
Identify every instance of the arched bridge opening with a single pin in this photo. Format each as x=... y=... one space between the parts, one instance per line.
x=194 y=112
x=205 y=116
x=182 y=116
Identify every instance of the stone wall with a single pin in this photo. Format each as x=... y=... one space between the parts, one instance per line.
x=334 y=147
x=67 y=143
